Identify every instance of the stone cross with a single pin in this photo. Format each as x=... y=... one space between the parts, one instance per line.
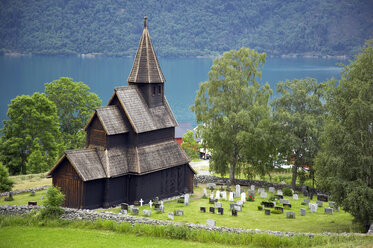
x=141 y=201
x=238 y=190
x=150 y=203
x=231 y=196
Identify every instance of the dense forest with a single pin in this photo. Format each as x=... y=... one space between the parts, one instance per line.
x=185 y=28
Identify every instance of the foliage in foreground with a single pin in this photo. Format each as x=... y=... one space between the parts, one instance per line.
x=53 y=203
x=190 y=145
x=345 y=164
x=184 y=233
x=6 y=184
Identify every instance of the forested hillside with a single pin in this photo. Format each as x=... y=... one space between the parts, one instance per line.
x=185 y=28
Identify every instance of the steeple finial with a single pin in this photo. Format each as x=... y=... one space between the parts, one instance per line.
x=145 y=25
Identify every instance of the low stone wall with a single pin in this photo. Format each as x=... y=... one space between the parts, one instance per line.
x=25 y=190
x=204 y=179
x=92 y=215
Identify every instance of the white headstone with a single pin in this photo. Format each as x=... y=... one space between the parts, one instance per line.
x=161 y=203
x=263 y=195
x=231 y=196
x=252 y=187
x=146 y=212
x=313 y=207
x=211 y=223
x=243 y=196
x=260 y=190
x=141 y=201
x=204 y=192
x=150 y=204
x=238 y=190
x=212 y=195
x=284 y=201
x=217 y=196
x=217 y=205
x=186 y=199
x=295 y=197
x=171 y=216
x=279 y=192
x=271 y=189
x=224 y=193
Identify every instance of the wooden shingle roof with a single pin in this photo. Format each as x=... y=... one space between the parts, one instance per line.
x=141 y=117
x=146 y=67
x=112 y=120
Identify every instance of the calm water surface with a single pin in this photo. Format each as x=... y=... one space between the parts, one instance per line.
x=26 y=75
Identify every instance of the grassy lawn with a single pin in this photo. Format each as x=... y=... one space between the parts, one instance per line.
x=23 y=199
x=37 y=237
x=251 y=218
x=22 y=182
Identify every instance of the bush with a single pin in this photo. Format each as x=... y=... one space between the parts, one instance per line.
x=53 y=203
x=303 y=203
x=276 y=211
x=180 y=200
x=250 y=198
x=260 y=208
x=9 y=198
x=5 y=183
x=287 y=191
x=272 y=198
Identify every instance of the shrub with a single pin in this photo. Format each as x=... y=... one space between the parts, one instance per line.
x=287 y=191
x=180 y=200
x=9 y=198
x=276 y=211
x=5 y=183
x=272 y=198
x=260 y=208
x=303 y=203
x=250 y=198
x=53 y=203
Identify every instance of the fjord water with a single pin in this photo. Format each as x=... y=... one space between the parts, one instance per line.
x=28 y=74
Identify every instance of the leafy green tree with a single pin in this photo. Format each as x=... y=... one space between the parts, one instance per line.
x=345 y=163
x=190 y=145
x=75 y=105
x=299 y=114
x=5 y=183
x=32 y=121
x=231 y=107
x=53 y=203
x=36 y=162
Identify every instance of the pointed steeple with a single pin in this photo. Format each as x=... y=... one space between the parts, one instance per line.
x=146 y=68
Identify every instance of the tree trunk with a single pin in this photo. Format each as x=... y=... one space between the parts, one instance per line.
x=294 y=177
x=232 y=172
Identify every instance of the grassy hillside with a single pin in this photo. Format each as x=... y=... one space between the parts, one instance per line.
x=180 y=28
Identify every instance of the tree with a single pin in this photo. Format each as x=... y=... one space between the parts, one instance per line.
x=298 y=114
x=75 y=105
x=5 y=183
x=53 y=203
x=345 y=163
x=231 y=107
x=190 y=145
x=33 y=124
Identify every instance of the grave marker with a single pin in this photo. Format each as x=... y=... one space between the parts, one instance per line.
x=217 y=195
x=204 y=192
x=303 y=212
x=135 y=211
x=124 y=206
x=221 y=210
x=243 y=196
x=202 y=209
x=186 y=199
x=279 y=192
x=263 y=195
x=238 y=190
x=280 y=209
x=231 y=196
x=307 y=201
x=224 y=195
x=290 y=215
x=211 y=223
x=252 y=187
x=218 y=205
x=279 y=196
x=146 y=212
x=171 y=216
x=323 y=197
x=295 y=197
x=267 y=211
x=313 y=207
x=212 y=210
x=150 y=204
x=271 y=189
x=328 y=210
x=319 y=203
x=288 y=205
x=234 y=212
x=282 y=201
x=141 y=201
x=179 y=212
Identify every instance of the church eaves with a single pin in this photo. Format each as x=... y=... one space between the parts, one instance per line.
x=146 y=67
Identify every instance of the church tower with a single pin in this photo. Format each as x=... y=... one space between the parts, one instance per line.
x=146 y=73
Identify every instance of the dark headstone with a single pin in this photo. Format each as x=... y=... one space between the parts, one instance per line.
x=10 y=194
x=279 y=208
x=124 y=206
x=211 y=201
x=212 y=210
x=323 y=197
x=156 y=199
x=202 y=209
x=268 y=204
x=287 y=205
x=33 y=193
x=234 y=212
x=311 y=196
x=32 y=203
x=279 y=196
x=328 y=210
x=221 y=188
x=302 y=211
x=267 y=211
x=221 y=211
x=136 y=203
x=157 y=205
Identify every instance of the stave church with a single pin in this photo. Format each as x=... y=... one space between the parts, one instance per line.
x=131 y=152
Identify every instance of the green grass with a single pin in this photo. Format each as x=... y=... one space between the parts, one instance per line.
x=23 y=199
x=22 y=182
x=56 y=237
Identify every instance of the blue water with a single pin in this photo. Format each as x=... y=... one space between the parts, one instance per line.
x=26 y=75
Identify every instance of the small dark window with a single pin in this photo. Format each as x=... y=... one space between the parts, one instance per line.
x=159 y=90
x=153 y=90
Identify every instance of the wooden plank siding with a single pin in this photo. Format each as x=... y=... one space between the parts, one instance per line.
x=96 y=136
x=70 y=185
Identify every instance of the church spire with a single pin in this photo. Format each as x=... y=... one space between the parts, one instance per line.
x=146 y=67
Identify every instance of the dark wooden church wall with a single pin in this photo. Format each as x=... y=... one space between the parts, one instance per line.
x=93 y=194
x=155 y=136
x=117 y=140
x=96 y=135
x=189 y=175
x=117 y=191
x=70 y=184
x=153 y=93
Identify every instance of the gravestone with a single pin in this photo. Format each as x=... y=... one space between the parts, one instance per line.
x=150 y=204
x=124 y=206
x=141 y=202
x=290 y=215
x=210 y=223
x=243 y=196
x=303 y=212
x=313 y=207
x=217 y=196
x=279 y=196
x=323 y=197
x=240 y=203
x=202 y=209
x=319 y=203
x=310 y=195
x=331 y=204
x=211 y=200
x=136 y=203
x=271 y=189
x=234 y=212
x=171 y=216
x=231 y=196
x=263 y=195
x=280 y=209
x=212 y=195
x=286 y=205
x=305 y=190
x=282 y=201
x=295 y=197
x=218 y=205
x=238 y=190
x=307 y=201
x=238 y=208
x=252 y=187
x=179 y=212
x=267 y=211
x=147 y=213
x=328 y=210
x=32 y=203
x=123 y=211
x=221 y=211
x=161 y=208
x=224 y=195
x=135 y=211
x=212 y=210
x=268 y=204
x=260 y=190
x=231 y=206
x=279 y=192
x=131 y=208
x=186 y=199
x=204 y=192
x=33 y=193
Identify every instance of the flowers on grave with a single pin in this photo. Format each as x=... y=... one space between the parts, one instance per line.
x=250 y=198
